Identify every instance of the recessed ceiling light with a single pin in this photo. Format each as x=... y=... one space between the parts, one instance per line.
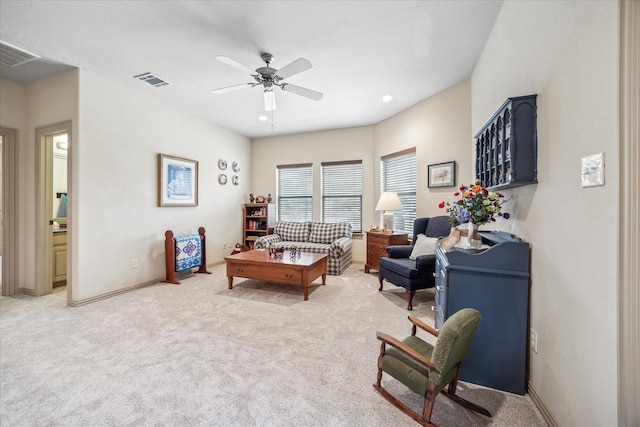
x=263 y=118
x=387 y=98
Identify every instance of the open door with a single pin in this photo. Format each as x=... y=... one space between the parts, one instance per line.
x=52 y=260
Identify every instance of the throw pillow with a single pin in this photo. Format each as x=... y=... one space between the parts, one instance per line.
x=423 y=246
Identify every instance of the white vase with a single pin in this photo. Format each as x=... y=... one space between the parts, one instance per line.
x=468 y=241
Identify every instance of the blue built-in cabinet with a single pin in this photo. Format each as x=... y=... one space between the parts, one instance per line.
x=494 y=281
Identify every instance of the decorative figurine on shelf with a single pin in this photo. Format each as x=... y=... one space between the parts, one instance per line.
x=260 y=199
x=251 y=198
x=269 y=199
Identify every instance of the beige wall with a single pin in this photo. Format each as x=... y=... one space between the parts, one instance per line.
x=316 y=147
x=113 y=181
x=115 y=185
x=439 y=127
x=13 y=104
x=567 y=53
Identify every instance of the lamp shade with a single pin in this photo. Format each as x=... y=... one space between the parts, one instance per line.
x=269 y=100
x=389 y=201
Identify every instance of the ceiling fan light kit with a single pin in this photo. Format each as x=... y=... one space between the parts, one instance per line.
x=269 y=77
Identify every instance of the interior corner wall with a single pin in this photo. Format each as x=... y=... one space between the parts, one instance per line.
x=316 y=147
x=439 y=127
x=115 y=185
x=566 y=52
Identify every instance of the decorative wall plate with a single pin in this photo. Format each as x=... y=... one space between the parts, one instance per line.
x=222 y=179
x=235 y=166
x=222 y=164
x=235 y=180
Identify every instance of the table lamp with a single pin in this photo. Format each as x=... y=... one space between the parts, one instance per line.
x=389 y=201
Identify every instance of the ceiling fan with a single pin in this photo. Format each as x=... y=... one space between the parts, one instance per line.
x=269 y=77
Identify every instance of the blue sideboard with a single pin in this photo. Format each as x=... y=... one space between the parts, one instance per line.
x=494 y=281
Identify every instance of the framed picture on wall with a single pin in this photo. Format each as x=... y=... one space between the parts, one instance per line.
x=442 y=174
x=177 y=181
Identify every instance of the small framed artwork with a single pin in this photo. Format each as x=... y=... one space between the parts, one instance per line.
x=177 y=181
x=442 y=174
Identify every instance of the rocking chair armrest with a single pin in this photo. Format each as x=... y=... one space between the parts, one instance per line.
x=403 y=348
x=419 y=323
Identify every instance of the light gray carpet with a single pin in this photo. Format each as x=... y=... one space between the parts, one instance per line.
x=199 y=354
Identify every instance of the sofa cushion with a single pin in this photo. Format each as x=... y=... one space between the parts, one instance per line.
x=402 y=266
x=293 y=231
x=319 y=248
x=423 y=246
x=327 y=232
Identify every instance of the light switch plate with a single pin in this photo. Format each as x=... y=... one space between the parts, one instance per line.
x=593 y=170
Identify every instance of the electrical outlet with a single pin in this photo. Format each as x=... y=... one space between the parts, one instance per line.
x=134 y=263
x=533 y=340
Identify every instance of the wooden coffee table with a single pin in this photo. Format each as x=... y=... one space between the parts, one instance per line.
x=257 y=264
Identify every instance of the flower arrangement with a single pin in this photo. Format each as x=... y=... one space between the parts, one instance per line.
x=475 y=204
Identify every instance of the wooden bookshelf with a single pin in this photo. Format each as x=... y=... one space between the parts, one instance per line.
x=258 y=219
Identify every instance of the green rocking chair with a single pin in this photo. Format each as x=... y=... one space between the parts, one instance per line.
x=428 y=369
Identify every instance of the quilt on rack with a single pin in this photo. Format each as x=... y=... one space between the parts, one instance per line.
x=188 y=252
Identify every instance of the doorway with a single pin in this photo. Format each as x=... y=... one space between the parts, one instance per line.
x=53 y=224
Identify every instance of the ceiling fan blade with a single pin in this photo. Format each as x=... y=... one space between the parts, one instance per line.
x=231 y=88
x=235 y=64
x=307 y=93
x=297 y=66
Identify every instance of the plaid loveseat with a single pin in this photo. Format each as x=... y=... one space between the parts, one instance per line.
x=333 y=239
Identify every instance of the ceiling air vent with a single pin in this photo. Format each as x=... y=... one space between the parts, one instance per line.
x=151 y=79
x=12 y=56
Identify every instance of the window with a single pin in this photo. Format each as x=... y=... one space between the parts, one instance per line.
x=398 y=173
x=295 y=192
x=342 y=193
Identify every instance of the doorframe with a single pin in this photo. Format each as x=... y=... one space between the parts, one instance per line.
x=10 y=211
x=629 y=232
x=44 y=202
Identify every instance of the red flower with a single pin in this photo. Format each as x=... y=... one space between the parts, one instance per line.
x=441 y=205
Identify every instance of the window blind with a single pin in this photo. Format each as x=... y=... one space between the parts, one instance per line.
x=342 y=193
x=295 y=192
x=398 y=173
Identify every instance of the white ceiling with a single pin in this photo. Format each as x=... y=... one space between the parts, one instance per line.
x=360 y=51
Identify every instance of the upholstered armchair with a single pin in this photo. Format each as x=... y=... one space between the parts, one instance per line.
x=427 y=369
x=415 y=272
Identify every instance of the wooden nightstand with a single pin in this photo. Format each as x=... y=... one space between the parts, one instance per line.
x=377 y=244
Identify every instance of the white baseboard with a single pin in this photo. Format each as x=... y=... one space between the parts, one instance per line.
x=542 y=408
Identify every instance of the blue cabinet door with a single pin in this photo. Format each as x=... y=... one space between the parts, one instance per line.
x=494 y=281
